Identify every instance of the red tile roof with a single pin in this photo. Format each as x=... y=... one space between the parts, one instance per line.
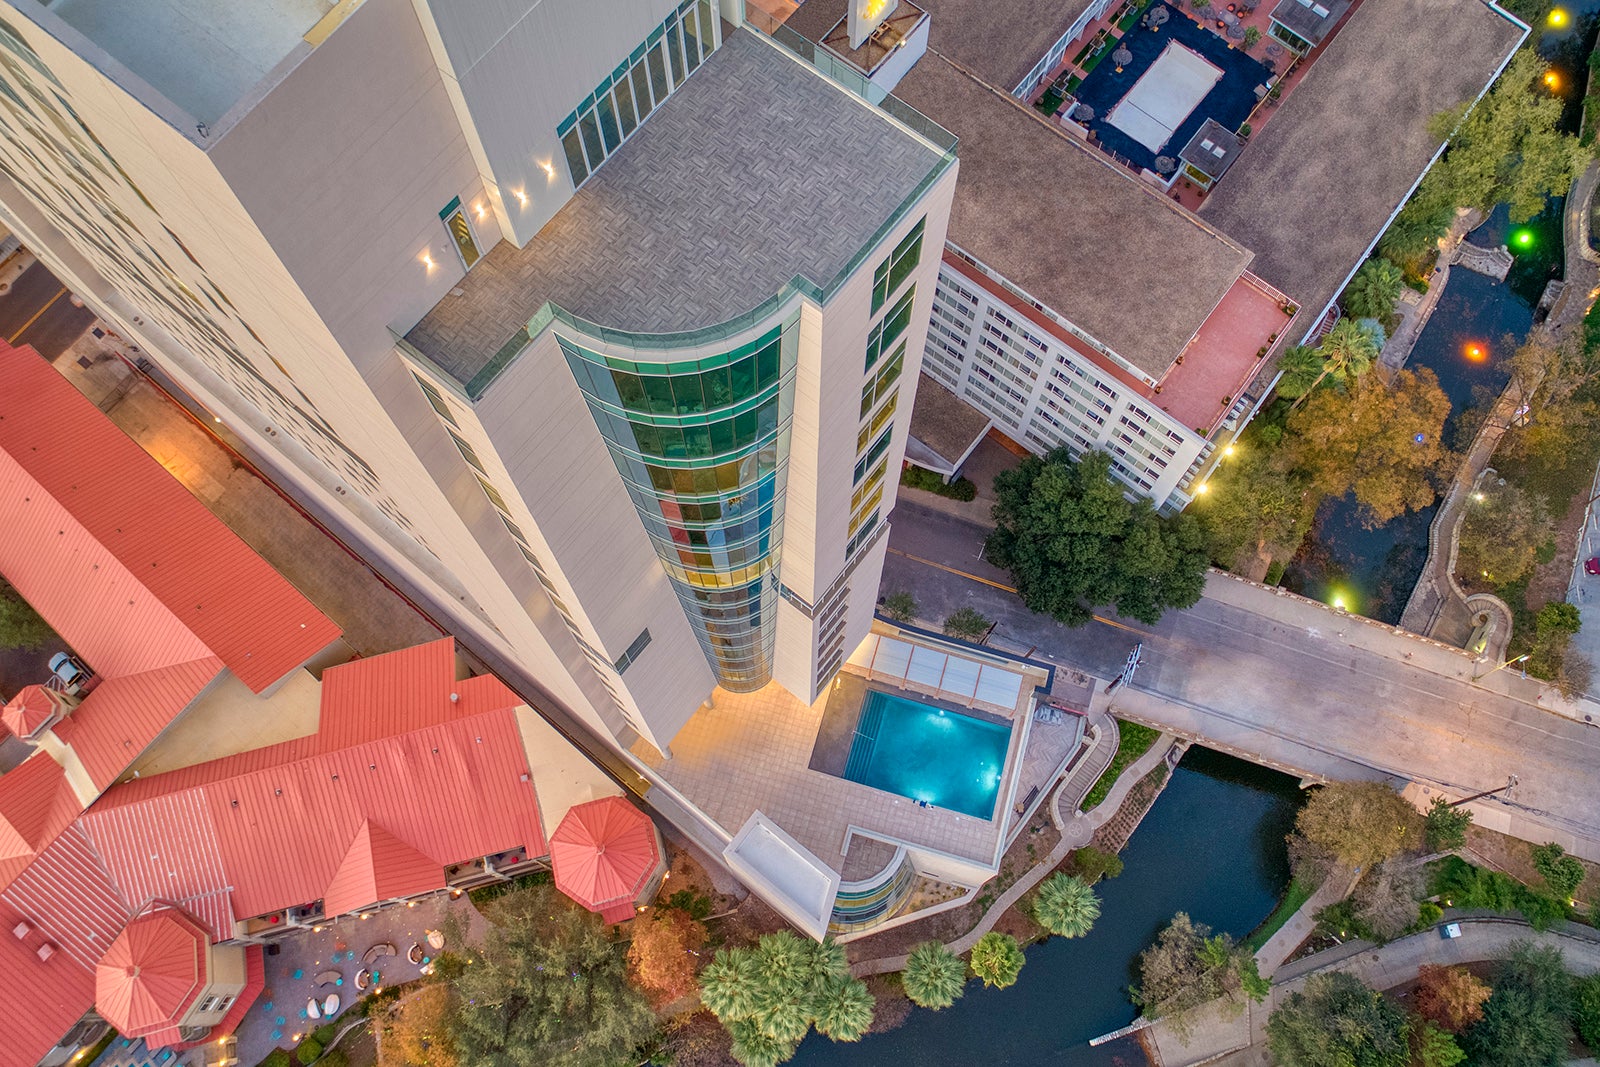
x=68 y=896
x=399 y=691
x=378 y=866
x=152 y=974
x=604 y=853
x=121 y=716
x=226 y=596
x=44 y=998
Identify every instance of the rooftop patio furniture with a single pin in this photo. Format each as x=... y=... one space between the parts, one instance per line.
x=330 y=978
x=1236 y=32
x=435 y=940
x=363 y=978
x=330 y=1006
x=312 y=1010
x=414 y=954
x=377 y=952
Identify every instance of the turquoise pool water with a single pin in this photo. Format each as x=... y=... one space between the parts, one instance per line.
x=943 y=758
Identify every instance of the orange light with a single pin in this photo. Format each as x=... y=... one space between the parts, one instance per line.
x=1552 y=79
x=1476 y=353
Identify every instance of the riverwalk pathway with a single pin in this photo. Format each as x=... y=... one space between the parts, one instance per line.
x=1076 y=829
x=1438 y=606
x=1237 y=1038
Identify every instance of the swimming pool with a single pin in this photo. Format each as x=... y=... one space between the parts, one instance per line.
x=940 y=757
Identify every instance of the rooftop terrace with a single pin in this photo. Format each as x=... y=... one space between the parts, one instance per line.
x=1294 y=197
x=758 y=170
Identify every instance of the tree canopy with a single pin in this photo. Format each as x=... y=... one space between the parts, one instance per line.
x=997 y=959
x=1073 y=541
x=547 y=988
x=1383 y=444
x=1501 y=534
x=934 y=976
x=1373 y=291
x=1450 y=997
x=1189 y=966
x=771 y=995
x=1524 y=1020
x=1444 y=826
x=1360 y=824
x=662 y=956
x=1338 y=1022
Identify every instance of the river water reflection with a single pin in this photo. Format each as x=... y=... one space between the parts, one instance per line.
x=1212 y=846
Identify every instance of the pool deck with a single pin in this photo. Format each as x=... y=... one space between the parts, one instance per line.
x=751 y=752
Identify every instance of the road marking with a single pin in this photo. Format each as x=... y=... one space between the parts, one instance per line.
x=1008 y=588
x=59 y=294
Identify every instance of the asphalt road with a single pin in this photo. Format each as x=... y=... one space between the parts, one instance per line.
x=38 y=311
x=1293 y=682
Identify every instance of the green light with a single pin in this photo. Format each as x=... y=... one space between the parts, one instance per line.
x=1524 y=238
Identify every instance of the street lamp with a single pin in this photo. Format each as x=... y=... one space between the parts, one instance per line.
x=1502 y=666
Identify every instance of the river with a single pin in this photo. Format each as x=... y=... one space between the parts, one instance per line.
x=1212 y=846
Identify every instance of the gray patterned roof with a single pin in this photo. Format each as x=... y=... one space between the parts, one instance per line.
x=757 y=170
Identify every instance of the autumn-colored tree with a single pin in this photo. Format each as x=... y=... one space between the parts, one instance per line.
x=1382 y=443
x=1360 y=823
x=663 y=956
x=415 y=1030
x=1450 y=997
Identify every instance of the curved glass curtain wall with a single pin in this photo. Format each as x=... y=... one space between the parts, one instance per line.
x=703 y=448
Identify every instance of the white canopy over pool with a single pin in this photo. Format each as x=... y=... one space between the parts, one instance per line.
x=1164 y=96
x=952 y=676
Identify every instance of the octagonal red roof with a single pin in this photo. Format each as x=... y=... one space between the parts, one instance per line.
x=152 y=974
x=603 y=853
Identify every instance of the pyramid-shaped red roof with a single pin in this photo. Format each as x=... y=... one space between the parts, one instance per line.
x=378 y=866
x=36 y=804
x=603 y=854
x=30 y=709
x=152 y=974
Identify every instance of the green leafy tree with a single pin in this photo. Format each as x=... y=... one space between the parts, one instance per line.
x=1586 y=1009
x=900 y=606
x=997 y=959
x=1360 y=824
x=1561 y=872
x=1501 y=534
x=1066 y=906
x=1073 y=541
x=1553 y=630
x=1252 y=37
x=547 y=987
x=1256 y=503
x=1338 y=1022
x=1383 y=444
x=967 y=624
x=1444 y=826
x=1433 y=1047
x=1094 y=864
x=770 y=996
x=1525 y=1020
x=934 y=976
x=1373 y=291
x=1189 y=966
x=21 y=626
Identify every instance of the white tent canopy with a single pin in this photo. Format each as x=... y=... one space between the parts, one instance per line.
x=951 y=675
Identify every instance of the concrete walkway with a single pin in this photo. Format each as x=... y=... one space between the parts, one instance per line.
x=1239 y=1040
x=1076 y=829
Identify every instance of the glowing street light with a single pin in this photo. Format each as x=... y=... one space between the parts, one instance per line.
x=1228 y=451
x=1552 y=80
x=1557 y=17
x=1202 y=489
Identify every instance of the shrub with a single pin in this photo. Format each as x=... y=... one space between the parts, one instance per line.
x=1428 y=913
x=967 y=624
x=1562 y=873
x=1459 y=884
x=334 y=1057
x=934 y=976
x=325 y=1033
x=997 y=959
x=900 y=606
x=1445 y=827
x=1093 y=864
x=914 y=477
x=308 y=1051
x=1586 y=1010
x=697 y=905
x=277 y=1058
x=1133 y=741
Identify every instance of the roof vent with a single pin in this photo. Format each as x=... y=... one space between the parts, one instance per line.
x=46 y=950
x=455 y=698
x=21 y=930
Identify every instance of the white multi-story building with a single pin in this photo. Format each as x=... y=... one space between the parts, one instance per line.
x=599 y=323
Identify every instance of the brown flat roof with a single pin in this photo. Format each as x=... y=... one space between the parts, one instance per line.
x=945 y=424
x=1320 y=182
x=1080 y=234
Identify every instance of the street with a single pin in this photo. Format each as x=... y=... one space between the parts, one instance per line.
x=1293 y=683
x=38 y=311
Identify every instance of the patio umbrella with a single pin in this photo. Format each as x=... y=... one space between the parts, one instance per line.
x=1083 y=113
x=1158 y=16
x=1121 y=57
x=604 y=853
x=1166 y=164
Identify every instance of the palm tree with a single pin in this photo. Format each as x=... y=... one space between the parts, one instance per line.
x=753 y=1048
x=1348 y=352
x=997 y=959
x=728 y=984
x=1300 y=369
x=934 y=976
x=1066 y=906
x=1374 y=289
x=842 y=1008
